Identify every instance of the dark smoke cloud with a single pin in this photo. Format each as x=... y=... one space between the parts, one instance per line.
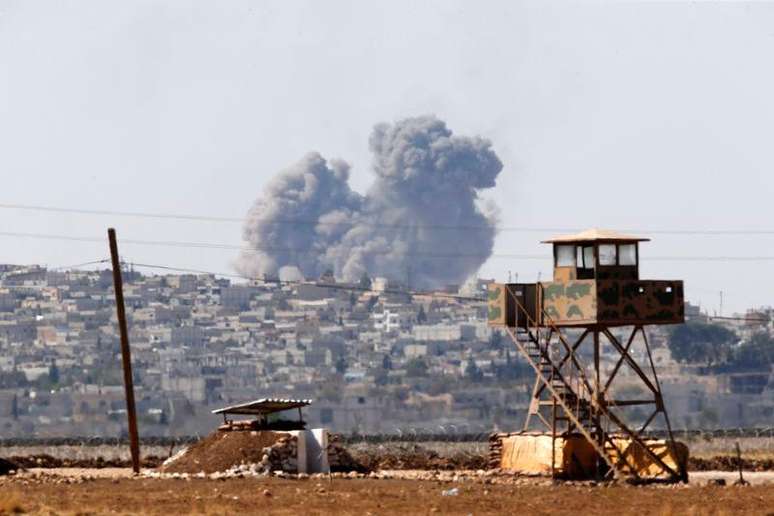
x=420 y=220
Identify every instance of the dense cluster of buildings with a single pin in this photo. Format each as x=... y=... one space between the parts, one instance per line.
x=374 y=358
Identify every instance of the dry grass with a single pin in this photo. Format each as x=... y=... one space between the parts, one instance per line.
x=385 y=497
x=11 y=503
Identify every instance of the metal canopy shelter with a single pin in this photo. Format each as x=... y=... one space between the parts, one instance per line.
x=595 y=235
x=263 y=407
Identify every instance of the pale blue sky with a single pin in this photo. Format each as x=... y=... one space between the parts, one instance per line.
x=622 y=115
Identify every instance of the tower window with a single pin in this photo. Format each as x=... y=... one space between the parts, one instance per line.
x=565 y=256
x=627 y=254
x=588 y=257
x=607 y=254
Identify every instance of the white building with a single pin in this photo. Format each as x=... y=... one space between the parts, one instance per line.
x=387 y=321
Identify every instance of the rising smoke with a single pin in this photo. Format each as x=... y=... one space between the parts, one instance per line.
x=421 y=221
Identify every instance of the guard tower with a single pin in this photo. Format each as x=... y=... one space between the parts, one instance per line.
x=596 y=298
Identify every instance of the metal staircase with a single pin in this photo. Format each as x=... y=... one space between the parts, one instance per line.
x=550 y=370
x=567 y=405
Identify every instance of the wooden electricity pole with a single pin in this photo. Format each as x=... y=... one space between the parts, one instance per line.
x=126 y=355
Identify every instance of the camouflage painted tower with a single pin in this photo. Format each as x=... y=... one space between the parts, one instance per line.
x=596 y=298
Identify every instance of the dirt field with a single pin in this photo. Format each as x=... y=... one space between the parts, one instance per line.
x=123 y=495
x=413 y=478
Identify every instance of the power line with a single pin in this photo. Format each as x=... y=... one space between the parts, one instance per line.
x=334 y=286
x=15 y=273
x=46 y=236
x=317 y=284
x=81 y=211
x=299 y=222
x=365 y=289
x=188 y=270
x=313 y=222
x=211 y=245
x=707 y=258
x=79 y=265
x=746 y=319
x=419 y=254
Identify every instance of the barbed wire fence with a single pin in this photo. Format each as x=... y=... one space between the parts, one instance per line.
x=404 y=435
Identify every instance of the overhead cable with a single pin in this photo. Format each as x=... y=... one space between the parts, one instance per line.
x=314 y=222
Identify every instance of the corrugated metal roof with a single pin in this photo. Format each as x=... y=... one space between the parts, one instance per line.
x=595 y=234
x=263 y=406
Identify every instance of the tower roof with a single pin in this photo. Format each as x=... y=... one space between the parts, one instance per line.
x=595 y=235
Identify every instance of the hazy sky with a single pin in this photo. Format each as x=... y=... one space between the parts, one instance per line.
x=645 y=116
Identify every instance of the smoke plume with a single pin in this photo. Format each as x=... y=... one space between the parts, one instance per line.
x=420 y=222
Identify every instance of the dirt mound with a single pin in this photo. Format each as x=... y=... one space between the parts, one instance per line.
x=417 y=457
x=220 y=451
x=728 y=463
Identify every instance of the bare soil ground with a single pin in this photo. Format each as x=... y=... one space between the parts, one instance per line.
x=125 y=495
x=446 y=456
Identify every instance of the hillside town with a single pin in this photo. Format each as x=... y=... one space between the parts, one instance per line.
x=373 y=357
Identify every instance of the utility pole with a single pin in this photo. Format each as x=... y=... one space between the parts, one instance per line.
x=126 y=355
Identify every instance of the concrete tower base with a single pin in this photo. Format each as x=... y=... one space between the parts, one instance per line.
x=530 y=453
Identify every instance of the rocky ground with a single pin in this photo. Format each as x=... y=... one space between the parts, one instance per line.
x=428 y=456
x=218 y=476
x=115 y=490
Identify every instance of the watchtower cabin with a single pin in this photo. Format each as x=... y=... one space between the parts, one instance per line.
x=596 y=282
x=595 y=292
